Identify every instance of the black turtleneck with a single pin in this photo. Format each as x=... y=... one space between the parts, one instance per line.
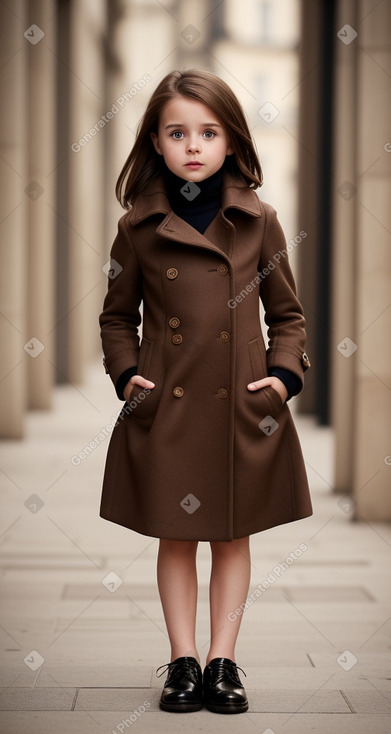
x=197 y=203
x=199 y=206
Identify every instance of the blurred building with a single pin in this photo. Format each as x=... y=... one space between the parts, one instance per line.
x=314 y=80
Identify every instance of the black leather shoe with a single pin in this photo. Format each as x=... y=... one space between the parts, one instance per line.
x=182 y=690
x=223 y=690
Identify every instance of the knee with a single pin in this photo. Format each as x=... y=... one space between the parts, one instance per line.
x=232 y=546
x=180 y=547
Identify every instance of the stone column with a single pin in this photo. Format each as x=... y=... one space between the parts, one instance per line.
x=344 y=243
x=308 y=205
x=13 y=333
x=361 y=260
x=41 y=177
x=372 y=383
x=86 y=201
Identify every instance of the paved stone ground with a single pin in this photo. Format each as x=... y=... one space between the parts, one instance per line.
x=80 y=657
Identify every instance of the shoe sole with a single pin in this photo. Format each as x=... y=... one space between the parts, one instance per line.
x=181 y=708
x=227 y=708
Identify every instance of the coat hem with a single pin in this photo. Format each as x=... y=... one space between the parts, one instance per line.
x=302 y=516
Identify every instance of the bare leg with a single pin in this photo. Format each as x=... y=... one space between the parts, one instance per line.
x=178 y=589
x=229 y=583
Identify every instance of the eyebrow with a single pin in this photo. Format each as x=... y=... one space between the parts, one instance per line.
x=204 y=124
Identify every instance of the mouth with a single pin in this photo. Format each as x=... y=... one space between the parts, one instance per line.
x=193 y=164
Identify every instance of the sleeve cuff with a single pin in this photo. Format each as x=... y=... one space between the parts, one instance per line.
x=291 y=381
x=123 y=381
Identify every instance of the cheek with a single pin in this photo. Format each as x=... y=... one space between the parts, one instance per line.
x=164 y=148
x=174 y=150
x=223 y=147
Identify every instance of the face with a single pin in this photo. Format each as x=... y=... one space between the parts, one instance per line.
x=191 y=139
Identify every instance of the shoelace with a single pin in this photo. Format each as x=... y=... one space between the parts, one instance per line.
x=226 y=670
x=174 y=668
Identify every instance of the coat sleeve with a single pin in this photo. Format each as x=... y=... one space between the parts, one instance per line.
x=121 y=308
x=284 y=315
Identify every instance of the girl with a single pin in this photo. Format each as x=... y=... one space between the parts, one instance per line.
x=205 y=448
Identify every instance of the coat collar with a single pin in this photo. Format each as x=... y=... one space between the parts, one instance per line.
x=235 y=194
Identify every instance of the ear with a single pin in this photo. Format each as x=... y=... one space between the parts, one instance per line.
x=230 y=149
x=155 y=141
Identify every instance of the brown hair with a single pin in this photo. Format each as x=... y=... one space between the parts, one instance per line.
x=143 y=163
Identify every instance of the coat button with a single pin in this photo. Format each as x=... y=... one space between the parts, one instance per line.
x=178 y=391
x=176 y=338
x=222 y=392
x=222 y=269
x=305 y=359
x=174 y=322
x=224 y=336
x=172 y=273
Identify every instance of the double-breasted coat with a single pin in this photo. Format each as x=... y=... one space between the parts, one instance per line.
x=199 y=456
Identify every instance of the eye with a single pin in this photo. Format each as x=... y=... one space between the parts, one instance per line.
x=210 y=134
x=175 y=133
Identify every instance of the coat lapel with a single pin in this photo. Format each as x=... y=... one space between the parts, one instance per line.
x=219 y=235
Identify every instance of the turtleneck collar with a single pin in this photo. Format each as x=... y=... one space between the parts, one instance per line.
x=208 y=197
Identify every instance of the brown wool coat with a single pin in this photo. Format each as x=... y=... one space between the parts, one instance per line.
x=201 y=457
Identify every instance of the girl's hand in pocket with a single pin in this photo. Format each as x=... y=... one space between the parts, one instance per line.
x=275 y=383
x=136 y=380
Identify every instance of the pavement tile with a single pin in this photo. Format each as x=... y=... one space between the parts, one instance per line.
x=43 y=561
x=134 y=591
x=92 y=625
x=98 y=676
x=369 y=702
x=328 y=594
x=301 y=678
x=202 y=722
x=117 y=699
x=293 y=701
x=367 y=662
x=34 y=699
x=17 y=677
x=54 y=615
x=276 y=701
x=379 y=682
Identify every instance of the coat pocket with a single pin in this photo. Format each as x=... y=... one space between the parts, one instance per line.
x=266 y=401
x=144 y=357
x=257 y=353
x=141 y=398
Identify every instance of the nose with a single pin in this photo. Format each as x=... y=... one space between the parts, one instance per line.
x=193 y=146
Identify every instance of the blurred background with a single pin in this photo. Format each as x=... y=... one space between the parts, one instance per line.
x=313 y=77
x=314 y=80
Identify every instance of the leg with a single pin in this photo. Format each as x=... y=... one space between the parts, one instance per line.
x=177 y=584
x=229 y=583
